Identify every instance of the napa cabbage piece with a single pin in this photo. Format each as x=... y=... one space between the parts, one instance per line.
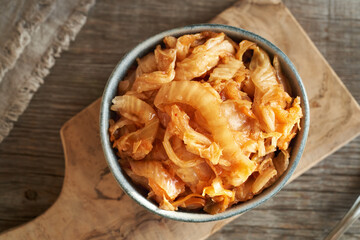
x=267 y=172
x=196 y=95
x=232 y=91
x=226 y=70
x=291 y=127
x=191 y=201
x=238 y=115
x=116 y=126
x=221 y=197
x=183 y=44
x=217 y=189
x=244 y=191
x=280 y=76
x=195 y=142
x=203 y=58
x=244 y=46
x=270 y=101
x=262 y=72
x=136 y=144
x=146 y=64
x=165 y=63
x=159 y=179
x=126 y=84
x=185 y=163
x=197 y=177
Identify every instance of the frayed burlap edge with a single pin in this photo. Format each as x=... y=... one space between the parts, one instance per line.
x=66 y=33
x=21 y=35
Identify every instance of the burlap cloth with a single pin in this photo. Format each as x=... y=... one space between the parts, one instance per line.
x=32 y=34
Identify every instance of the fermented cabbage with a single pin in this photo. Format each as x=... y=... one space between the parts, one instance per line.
x=204 y=123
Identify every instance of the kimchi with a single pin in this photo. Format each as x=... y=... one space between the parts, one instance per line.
x=204 y=123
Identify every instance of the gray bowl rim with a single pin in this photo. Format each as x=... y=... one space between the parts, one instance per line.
x=120 y=71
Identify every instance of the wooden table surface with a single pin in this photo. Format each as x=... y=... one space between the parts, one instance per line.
x=32 y=161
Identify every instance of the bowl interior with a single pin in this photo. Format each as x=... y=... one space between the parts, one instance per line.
x=297 y=144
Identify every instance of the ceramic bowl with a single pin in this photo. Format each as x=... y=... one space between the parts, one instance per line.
x=148 y=45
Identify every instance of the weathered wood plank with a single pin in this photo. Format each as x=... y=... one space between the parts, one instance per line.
x=31 y=158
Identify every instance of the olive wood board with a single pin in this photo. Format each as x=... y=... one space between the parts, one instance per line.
x=91 y=205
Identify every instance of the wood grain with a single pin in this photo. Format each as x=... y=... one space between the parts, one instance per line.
x=31 y=158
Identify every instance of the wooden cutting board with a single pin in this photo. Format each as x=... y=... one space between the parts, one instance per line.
x=91 y=205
